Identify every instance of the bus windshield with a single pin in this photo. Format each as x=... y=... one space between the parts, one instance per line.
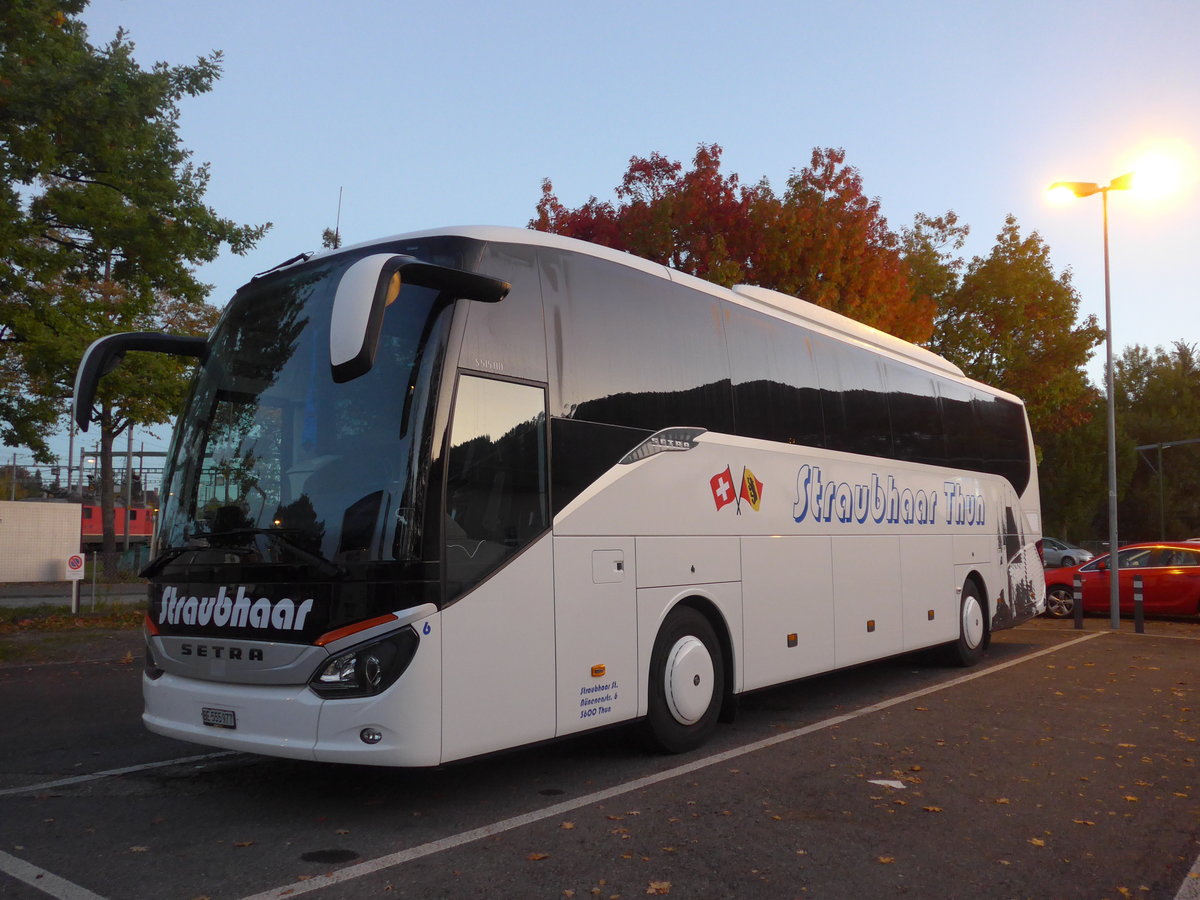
x=275 y=459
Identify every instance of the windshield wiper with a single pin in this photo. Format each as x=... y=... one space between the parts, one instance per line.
x=160 y=562
x=279 y=536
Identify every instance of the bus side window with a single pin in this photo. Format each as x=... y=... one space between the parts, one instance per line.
x=496 y=487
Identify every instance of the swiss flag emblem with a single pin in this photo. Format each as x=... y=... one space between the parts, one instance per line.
x=722 y=488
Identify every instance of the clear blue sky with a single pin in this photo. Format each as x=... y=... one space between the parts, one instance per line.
x=439 y=114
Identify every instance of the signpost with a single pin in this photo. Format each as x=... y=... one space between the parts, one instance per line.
x=75 y=575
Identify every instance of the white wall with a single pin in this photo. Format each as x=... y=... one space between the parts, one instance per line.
x=36 y=539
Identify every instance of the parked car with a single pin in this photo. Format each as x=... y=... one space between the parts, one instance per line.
x=1170 y=573
x=1058 y=553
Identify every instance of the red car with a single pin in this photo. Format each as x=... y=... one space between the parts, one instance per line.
x=1170 y=573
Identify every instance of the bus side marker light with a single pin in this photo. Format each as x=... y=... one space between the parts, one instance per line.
x=870 y=625
x=598 y=671
x=793 y=640
x=931 y=615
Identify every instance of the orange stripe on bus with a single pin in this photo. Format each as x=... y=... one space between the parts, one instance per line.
x=331 y=636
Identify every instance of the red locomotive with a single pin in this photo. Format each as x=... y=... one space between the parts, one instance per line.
x=141 y=526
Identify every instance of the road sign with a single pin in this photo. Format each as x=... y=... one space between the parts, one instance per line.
x=75 y=567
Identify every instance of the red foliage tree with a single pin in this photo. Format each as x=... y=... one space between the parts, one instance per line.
x=823 y=240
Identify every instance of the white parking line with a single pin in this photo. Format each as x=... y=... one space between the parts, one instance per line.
x=109 y=773
x=46 y=882
x=378 y=864
x=1190 y=889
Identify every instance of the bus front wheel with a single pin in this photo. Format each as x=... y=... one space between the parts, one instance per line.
x=687 y=681
x=972 y=627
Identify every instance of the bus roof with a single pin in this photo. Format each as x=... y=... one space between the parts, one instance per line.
x=751 y=296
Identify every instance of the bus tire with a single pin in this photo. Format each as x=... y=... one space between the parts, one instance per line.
x=687 y=683
x=972 y=627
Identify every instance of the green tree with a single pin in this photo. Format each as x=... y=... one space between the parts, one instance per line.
x=1158 y=403
x=1072 y=470
x=96 y=186
x=822 y=240
x=929 y=248
x=1014 y=323
x=1009 y=320
x=101 y=215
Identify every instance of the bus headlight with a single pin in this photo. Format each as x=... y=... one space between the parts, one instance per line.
x=366 y=670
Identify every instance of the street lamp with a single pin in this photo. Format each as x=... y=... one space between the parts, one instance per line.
x=1086 y=189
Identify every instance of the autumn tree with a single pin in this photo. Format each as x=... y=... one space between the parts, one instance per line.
x=822 y=239
x=101 y=214
x=830 y=244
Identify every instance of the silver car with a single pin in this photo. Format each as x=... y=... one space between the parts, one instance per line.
x=1059 y=553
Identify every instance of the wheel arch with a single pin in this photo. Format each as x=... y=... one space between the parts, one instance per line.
x=965 y=574
x=709 y=609
x=717 y=608
x=974 y=576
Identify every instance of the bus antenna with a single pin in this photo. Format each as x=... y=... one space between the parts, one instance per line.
x=337 y=223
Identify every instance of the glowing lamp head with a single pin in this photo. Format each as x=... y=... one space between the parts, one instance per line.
x=1064 y=191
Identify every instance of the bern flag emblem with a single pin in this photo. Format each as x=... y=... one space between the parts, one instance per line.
x=751 y=490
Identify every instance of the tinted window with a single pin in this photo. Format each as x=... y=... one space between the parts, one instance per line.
x=634 y=349
x=1136 y=558
x=964 y=438
x=496 y=485
x=583 y=451
x=1005 y=449
x=1176 y=557
x=776 y=395
x=853 y=400
x=508 y=338
x=917 y=433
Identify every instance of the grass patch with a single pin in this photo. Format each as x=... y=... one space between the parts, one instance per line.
x=58 y=618
x=50 y=634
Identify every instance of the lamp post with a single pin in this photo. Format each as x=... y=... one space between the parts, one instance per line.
x=1086 y=189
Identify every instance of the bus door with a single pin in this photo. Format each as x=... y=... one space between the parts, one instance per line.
x=498 y=620
x=595 y=624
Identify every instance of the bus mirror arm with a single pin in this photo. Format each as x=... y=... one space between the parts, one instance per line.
x=366 y=290
x=456 y=283
x=104 y=354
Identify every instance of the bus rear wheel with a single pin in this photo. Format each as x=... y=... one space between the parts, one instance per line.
x=687 y=682
x=972 y=627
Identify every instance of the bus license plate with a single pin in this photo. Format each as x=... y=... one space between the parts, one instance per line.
x=218 y=718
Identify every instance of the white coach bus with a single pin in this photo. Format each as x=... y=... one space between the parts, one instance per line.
x=483 y=487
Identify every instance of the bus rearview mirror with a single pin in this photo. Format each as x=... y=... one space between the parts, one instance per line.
x=371 y=284
x=103 y=355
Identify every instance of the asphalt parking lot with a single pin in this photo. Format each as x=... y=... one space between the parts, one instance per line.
x=1064 y=766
